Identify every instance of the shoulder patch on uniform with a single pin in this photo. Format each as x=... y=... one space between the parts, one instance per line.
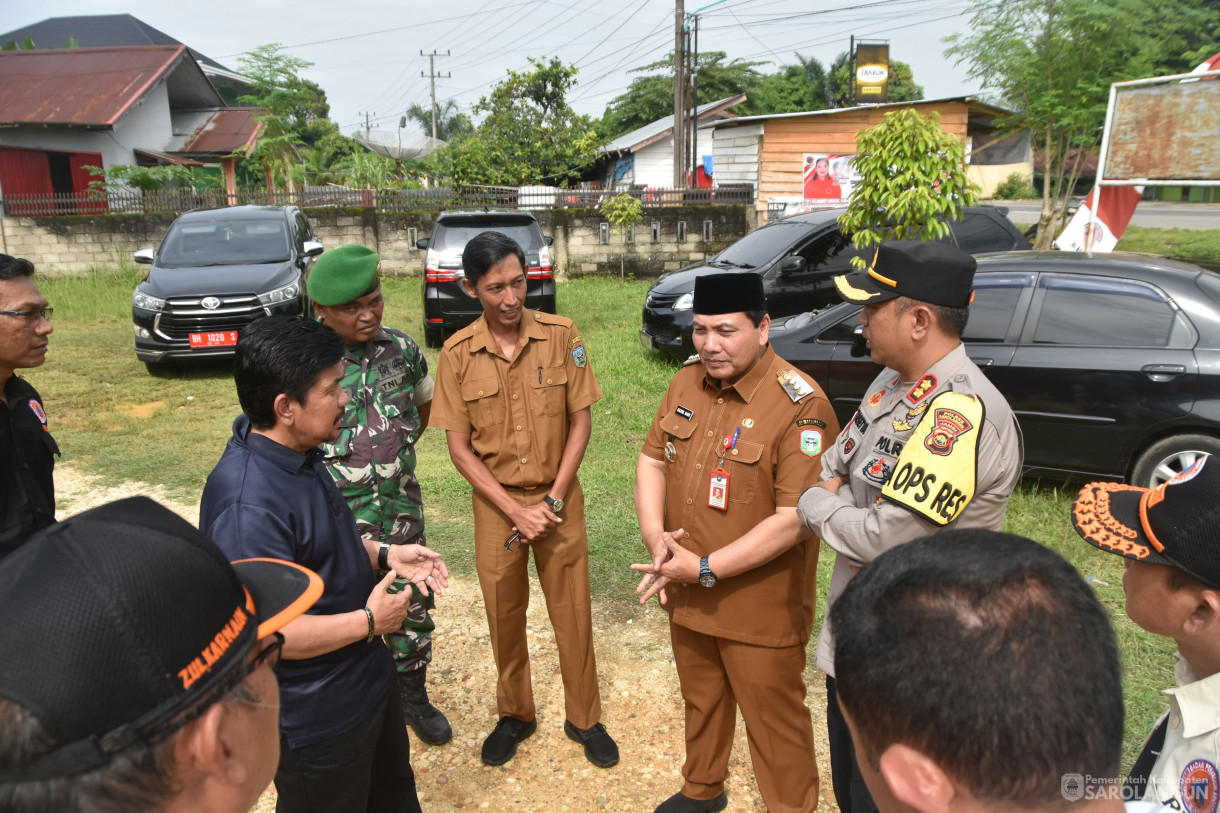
x=38 y=411
x=811 y=422
x=794 y=385
x=578 y=355
x=937 y=472
x=811 y=442
x=921 y=389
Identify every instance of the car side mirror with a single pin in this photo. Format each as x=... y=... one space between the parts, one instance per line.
x=793 y=265
x=312 y=249
x=422 y=242
x=144 y=256
x=550 y=241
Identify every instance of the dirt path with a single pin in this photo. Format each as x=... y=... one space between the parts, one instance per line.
x=643 y=706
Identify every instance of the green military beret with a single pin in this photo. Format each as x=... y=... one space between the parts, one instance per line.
x=344 y=275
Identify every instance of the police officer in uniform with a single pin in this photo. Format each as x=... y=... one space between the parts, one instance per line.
x=27 y=450
x=736 y=439
x=373 y=459
x=513 y=393
x=933 y=445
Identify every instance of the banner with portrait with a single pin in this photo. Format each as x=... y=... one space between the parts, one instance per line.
x=828 y=177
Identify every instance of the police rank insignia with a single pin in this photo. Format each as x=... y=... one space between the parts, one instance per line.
x=901 y=425
x=811 y=442
x=925 y=386
x=578 y=355
x=875 y=398
x=793 y=384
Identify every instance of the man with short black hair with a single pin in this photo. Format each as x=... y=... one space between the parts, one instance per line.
x=343 y=746
x=513 y=393
x=1170 y=539
x=736 y=439
x=27 y=450
x=933 y=445
x=978 y=672
x=373 y=457
x=163 y=701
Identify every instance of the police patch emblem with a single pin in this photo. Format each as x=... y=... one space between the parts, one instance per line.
x=36 y=408
x=875 y=398
x=848 y=445
x=578 y=355
x=949 y=424
x=878 y=471
x=1199 y=787
x=811 y=442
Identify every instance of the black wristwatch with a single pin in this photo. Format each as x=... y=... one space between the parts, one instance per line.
x=553 y=504
x=383 y=556
x=706 y=577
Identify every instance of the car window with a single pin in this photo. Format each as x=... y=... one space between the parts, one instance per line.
x=842 y=330
x=761 y=247
x=451 y=236
x=977 y=233
x=995 y=300
x=1103 y=312
x=224 y=242
x=830 y=253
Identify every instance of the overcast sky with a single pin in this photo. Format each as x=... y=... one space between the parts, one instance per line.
x=367 y=52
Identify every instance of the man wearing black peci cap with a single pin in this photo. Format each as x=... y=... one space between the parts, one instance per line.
x=1170 y=538
x=735 y=440
x=160 y=700
x=933 y=445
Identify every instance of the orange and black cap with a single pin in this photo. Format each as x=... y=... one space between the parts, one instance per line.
x=927 y=271
x=1176 y=524
x=125 y=622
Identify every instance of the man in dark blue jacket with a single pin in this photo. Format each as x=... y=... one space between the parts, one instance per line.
x=342 y=743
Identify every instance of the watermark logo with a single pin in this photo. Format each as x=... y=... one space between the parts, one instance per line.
x=1071 y=785
x=1075 y=787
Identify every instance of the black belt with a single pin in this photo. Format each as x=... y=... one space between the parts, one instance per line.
x=507 y=487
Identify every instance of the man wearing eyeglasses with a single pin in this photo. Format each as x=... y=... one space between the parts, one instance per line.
x=27 y=450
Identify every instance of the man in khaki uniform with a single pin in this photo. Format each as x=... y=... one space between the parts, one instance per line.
x=933 y=445
x=513 y=393
x=737 y=438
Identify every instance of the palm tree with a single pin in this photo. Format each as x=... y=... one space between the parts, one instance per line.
x=449 y=122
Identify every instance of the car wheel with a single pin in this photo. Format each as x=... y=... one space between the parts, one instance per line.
x=157 y=368
x=1171 y=456
x=433 y=337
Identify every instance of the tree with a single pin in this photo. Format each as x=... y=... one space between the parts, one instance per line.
x=649 y=98
x=913 y=179
x=902 y=87
x=1052 y=61
x=531 y=135
x=450 y=123
x=623 y=211
x=795 y=88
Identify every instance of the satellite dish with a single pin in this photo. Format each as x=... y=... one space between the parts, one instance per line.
x=396 y=144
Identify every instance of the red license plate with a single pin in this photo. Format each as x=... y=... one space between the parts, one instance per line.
x=223 y=338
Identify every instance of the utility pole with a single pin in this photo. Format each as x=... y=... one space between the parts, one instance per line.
x=367 y=126
x=679 y=96
x=433 y=76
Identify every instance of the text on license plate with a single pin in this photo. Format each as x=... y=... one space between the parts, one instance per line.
x=223 y=338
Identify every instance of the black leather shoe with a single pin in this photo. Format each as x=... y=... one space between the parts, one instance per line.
x=678 y=803
x=599 y=747
x=501 y=744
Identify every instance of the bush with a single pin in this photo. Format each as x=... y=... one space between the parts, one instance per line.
x=1015 y=187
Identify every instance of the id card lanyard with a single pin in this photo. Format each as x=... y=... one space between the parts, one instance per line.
x=718 y=485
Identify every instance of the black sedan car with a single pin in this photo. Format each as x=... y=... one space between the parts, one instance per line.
x=215 y=271
x=798 y=258
x=1111 y=362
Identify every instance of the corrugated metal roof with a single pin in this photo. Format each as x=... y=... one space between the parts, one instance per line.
x=90 y=87
x=215 y=132
x=973 y=101
x=645 y=135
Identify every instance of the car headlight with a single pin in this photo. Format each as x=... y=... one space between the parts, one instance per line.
x=284 y=294
x=685 y=302
x=145 y=302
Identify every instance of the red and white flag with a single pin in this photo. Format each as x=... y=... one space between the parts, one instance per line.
x=1113 y=214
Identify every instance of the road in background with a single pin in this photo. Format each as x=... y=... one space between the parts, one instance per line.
x=1154 y=214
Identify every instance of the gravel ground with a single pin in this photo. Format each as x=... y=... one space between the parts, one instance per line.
x=640 y=696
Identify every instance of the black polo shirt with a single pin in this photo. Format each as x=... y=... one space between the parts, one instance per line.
x=27 y=450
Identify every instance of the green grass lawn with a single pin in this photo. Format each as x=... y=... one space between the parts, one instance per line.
x=111 y=417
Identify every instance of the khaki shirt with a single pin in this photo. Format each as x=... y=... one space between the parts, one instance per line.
x=515 y=411
x=856 y=522
x=775 y=458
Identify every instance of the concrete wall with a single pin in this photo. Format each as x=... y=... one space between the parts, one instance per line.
x=62 y=245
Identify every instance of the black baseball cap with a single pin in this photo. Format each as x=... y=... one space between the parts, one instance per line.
x=1176 y=523
x=735 y=292
x=124 y=622
x=927 y=271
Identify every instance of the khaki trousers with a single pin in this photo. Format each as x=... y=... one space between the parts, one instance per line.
x=562 y=560
x=768 y=684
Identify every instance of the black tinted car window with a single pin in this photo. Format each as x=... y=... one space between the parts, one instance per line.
x=830 y=253
x=995 y=299
x=842 y=330
x=762 y=246
x=977 y=233
x=453 y=235
x=1101 y=312
x=224 y=242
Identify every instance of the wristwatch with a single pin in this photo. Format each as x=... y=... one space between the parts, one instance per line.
x=706 y=577
x=552 y=503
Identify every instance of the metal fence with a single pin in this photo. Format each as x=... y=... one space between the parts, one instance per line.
x=384 y=200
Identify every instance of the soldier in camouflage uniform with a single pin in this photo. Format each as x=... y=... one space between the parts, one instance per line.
x=373 y=458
